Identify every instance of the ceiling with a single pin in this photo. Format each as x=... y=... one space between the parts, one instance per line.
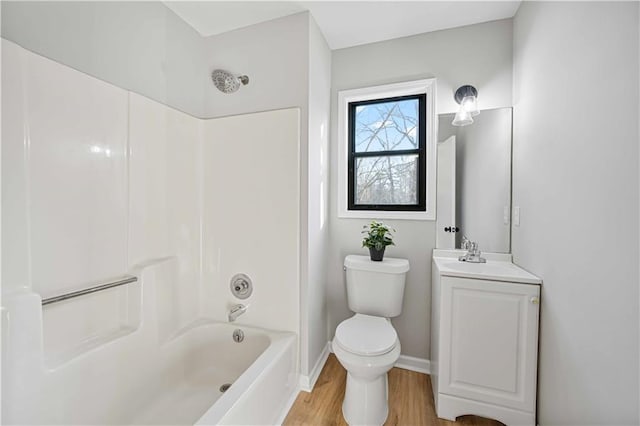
x=345 y=23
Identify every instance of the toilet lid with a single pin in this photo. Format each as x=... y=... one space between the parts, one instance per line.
x=366 y=335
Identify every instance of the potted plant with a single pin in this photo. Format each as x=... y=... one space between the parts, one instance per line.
x=377 y=238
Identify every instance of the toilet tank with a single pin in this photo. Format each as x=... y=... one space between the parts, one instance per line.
x=375 y=288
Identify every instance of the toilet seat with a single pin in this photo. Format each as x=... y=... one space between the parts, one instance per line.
x=366 y=335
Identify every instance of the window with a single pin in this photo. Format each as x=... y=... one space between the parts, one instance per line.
x=387 y=154
x=387 y=151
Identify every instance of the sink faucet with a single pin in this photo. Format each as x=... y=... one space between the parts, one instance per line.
x=236 y=311
x=473 y=254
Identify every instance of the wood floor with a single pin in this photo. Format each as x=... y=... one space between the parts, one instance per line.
x=410 y=401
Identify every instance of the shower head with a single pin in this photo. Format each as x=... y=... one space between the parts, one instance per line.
x=227 y=82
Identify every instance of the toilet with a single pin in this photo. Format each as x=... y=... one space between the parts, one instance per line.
x=366 y=344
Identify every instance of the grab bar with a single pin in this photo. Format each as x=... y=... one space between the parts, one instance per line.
x=121 y=281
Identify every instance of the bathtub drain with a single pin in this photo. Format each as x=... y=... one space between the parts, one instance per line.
x=224 y=387
x=238 y=336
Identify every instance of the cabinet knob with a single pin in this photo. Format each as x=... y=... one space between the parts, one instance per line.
x=535 y=300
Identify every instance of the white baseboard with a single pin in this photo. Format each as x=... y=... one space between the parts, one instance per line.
x=411 y=363
x=308 y=382
x=287 y=406
x=420 y=365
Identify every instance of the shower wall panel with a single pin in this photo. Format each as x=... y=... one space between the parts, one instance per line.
x=250 y=216
x=97 y=182
x=164 y=201
x=67 y=188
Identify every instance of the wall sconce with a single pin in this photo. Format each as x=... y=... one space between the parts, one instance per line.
x=467 y=97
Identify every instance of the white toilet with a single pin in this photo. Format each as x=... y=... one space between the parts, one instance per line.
x=366 y=344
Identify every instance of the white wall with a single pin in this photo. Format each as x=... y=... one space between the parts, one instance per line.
x=480 y=55
x=139 y=46
x=575 y=179
x=250 y=216
x=313 y=300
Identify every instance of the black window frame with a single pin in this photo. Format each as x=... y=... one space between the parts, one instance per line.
x=421 y=183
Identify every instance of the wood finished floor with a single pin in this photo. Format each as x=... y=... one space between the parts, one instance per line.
x=410 y=401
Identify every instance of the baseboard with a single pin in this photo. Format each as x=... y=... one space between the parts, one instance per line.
x=420 y=365
x=308 y=382
x=287 y=406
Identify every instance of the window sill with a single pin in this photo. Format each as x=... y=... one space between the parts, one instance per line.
x=382 y=214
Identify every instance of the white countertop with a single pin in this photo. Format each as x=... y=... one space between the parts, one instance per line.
x=499 y=267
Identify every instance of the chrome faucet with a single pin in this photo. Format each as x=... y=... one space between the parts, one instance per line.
x=473 y=253
x=236 y=311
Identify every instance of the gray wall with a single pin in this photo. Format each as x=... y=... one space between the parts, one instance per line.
x=274 y=54
x=139 y=46
x=145 y=48
x=478 y=54
x=576 y=182
x=314 y=314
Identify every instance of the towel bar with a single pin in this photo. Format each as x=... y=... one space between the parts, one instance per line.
x=120 y=281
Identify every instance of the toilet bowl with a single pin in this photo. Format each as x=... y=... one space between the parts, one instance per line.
x=367 y=347
x=366 y=344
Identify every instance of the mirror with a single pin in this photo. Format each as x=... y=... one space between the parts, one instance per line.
x=474 y=181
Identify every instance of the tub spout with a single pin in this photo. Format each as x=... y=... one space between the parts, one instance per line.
x=236 y=311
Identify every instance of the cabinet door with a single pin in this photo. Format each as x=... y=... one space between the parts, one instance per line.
x=489 y=337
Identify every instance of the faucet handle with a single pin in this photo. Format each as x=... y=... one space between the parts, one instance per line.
x=473 y=248
x=465 y=243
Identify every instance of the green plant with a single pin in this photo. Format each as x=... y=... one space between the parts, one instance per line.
x=378 y=236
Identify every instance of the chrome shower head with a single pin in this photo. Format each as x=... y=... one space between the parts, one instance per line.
x=227 y=82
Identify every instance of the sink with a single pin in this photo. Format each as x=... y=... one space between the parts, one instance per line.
x=492 y=268
x=497 y=268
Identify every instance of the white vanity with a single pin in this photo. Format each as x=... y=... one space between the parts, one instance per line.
x=484 y=338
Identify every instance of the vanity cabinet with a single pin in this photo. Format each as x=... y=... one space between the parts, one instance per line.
x=485 y=350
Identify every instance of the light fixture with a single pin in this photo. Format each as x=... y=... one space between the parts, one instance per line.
x=462 y=118
x=467 y=97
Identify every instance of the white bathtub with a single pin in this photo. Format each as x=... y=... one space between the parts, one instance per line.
x=138 y=373
x=259 y=369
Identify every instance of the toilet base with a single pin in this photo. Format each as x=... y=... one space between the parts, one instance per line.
x=366 y=401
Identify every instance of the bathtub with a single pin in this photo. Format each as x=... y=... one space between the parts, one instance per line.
x=259 y=369
x=136 y=370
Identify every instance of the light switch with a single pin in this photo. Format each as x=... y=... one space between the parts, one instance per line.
x=516 y=215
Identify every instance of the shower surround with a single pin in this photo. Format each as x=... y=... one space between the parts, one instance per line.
x=99 y=182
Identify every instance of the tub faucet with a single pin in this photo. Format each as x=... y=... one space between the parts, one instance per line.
x=473 y=253
x=236 y=311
